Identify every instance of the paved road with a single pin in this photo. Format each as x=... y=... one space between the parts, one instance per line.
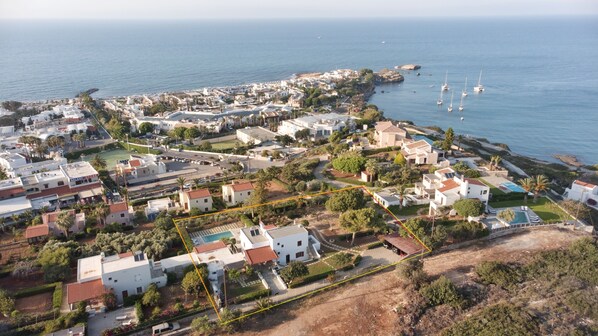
x=319 y=174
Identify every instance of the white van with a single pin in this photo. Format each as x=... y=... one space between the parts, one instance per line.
x=164 y=328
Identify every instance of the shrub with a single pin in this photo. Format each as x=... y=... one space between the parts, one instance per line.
x=252 y=296
x=493 y=272
x=36 y=290
x=374 y=245
x=584 y=302
x=131 y=300
x=109 y=300
x=7 y=303
x=246 y=221
x=469 y=207
x=441 y=291
x=507 y=215
x=139 y=311
x=309 y=279
x=500 y=319
x=293 y=270
x=412 y=272
x=57 y=296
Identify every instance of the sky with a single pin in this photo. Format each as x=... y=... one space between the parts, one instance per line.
x=259 y=9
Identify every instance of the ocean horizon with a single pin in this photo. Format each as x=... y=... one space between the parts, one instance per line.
x=540 y=74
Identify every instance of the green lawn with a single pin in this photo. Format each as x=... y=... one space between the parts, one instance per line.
x=111 y=156
x=318 y=268
x=493 y=190
x=407 y=211
x=235 y=289
x=544 y=208
x=224 y=145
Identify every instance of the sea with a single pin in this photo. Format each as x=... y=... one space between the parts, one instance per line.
x=540 y=74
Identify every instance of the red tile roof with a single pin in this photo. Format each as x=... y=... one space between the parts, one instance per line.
x=260 y=255
x=37 y=231
x=407 y=245
x=210 y=247
x=135 y=163
x=474 y=181
x=119 y=207
x=64 y=190
x=448 y=185
x=77 y=292
x=10 y=193
x=125 y=254
x=52 y=217
x=198 y=193
x=584 y=184
x=242 y=186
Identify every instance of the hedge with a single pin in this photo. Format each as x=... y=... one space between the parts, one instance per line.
x=374 y=245
x=246 y=221
x=57 y=296
x=36 y=290
x=310 y=279
x=131 y=300
x=252 y=296
x=514 y=196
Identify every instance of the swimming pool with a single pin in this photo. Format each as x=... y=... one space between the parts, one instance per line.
x=513 y=187
x=520 y=218
x=217 y=236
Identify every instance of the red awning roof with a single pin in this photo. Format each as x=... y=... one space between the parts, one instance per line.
x=77 y=292
x=404 y=244
x=37 y=231
x=210 y=247
x=260 y=255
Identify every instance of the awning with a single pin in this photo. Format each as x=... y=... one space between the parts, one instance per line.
x=90 y=193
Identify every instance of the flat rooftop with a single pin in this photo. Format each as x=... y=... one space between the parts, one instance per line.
x=260 y=238
x=286 y=231
x=89 y=268
x=11 y=183
x=78 y=170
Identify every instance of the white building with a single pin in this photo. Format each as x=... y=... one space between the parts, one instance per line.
x=200 y=199
x=15 y=164
x=122 y=274
x=139 y=166
x=255 y=135
x=321 y=125
x=583 y=192
x=237 y=193
x=282 y=244
x=430 y=182
x=419 y=152
x=386 y=198
x=458 y=188
x=154 y=207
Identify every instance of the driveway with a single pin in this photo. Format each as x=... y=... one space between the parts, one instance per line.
x=103 y=321
x=319 y=174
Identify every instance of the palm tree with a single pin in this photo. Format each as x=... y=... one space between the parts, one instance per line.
x=181 y=182
x=98 y=162
x=196 y=183
x=65 y=221
x=459 y=139
x=371 y=166
x=494 y=161
x=401 y=192
x=101 y=211
x=540 y=184
x=528 y=185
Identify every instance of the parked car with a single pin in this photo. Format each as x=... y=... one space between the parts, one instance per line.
x=163 y=328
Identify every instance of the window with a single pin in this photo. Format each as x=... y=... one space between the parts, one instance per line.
x=485 y=192
x=139 y=290
x=46 y=186
x=299 y=243
x=205 y=200
x=115 y=281
x=122 y=215
x=206 y=209
x=282 y=246
x=109 y=279
x=248 y=193
x=299 y=255
x=60 y=183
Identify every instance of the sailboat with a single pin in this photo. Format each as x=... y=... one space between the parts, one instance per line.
x=479 y=88
x=464 y=93
x=461 y=104
x=450 y=108
x=439 y=101
x=445 y=86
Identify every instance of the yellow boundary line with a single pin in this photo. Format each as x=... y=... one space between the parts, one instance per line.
x=377 y=269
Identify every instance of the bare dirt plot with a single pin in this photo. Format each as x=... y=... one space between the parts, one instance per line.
x=341 y=311
x=39 y=303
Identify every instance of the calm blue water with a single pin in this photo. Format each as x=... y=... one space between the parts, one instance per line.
x=541 y=75
x=520 y=218
x=217 y=236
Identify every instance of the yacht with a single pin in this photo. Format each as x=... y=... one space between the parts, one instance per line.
x=445 y=86
x=439 y=101
x=479 y=88
x=464 y=93
x=461 y=108
x=450 y=108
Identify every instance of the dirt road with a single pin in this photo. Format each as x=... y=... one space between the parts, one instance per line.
x=365 y=307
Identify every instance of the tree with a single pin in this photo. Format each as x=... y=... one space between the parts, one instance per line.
x=65 y=221
x=192 y=283
x=358 y=220
x=295 y=269
x=196 y=183
x=3 y=175
x=151 y=297
x=55 y=262
x=494 y=161
x=370 y=115
x=528 y=185
x=335 y=137
x=540 y=185
x=441 y=291
x=302 y=134
x=146 y=127
x=205 y=146
x=109 y=301
x=449 y=136
x=351 y=162
x=400 y=160
x=507 y=215
x=412 y=272
x=346 y=200
x=101 y=211
x=181 y=181
x=469 y=207
x=98 y=162
x=284 y=140
x=202 y=326
x=192 y=133
x=7 y=303
x=371 y=166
